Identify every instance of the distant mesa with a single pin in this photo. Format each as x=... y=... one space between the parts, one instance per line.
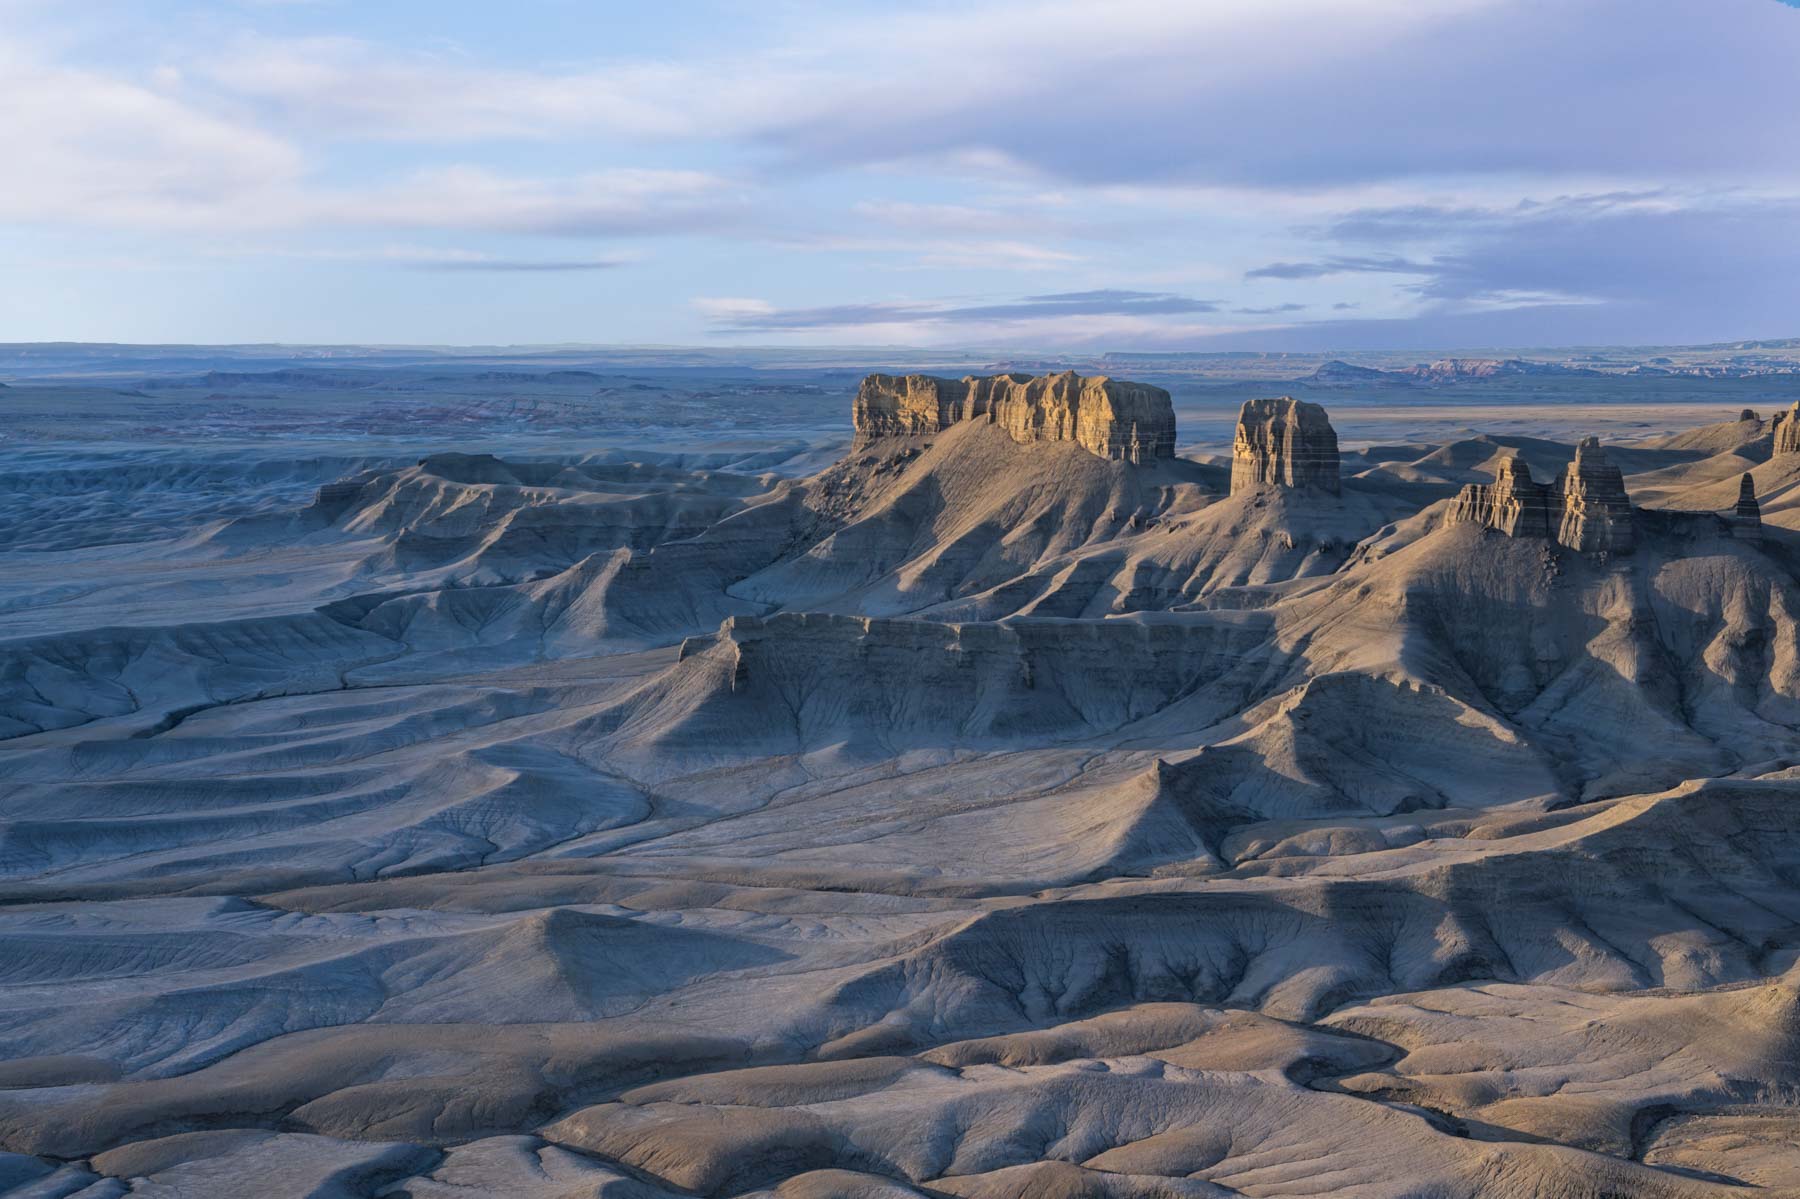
x=1128 y=422
x=1749 y=414
x=1787 y=430
x=1284 y=442
x=1338 y=373
x=1589 y=511
x=1456 y=370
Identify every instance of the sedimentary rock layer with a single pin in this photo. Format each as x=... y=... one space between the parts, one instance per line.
x=1596 y=512
x=1130 y=422
x=1747 y=507
x=1787 y=431
x=1589 y=511
x=1284 y=442
x=1514 y=503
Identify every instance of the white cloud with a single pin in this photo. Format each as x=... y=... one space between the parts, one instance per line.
x=852 y=74
x=79 y=145
x=731 y=308
x=609 y=202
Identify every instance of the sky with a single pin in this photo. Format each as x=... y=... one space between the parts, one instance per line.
x=1028 y=174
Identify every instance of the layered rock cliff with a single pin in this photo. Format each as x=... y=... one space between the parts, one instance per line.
x=1284 y=442
x=1787 y=431
x=1129 y=422
x=1514 y=503
x=1596 y=512
x=1589 y=511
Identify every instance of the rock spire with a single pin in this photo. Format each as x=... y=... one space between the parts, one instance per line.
x=1284 y=442
x=1596 y=512
x=1747 y=507
x=1129 y=422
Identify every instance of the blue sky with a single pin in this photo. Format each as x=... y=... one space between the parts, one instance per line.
x=1053 y=174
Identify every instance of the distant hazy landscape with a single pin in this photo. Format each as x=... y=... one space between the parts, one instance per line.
x=101 y=440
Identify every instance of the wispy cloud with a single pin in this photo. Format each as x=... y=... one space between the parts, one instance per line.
x=756 y=316
x=519 y=265
x=1340 y=265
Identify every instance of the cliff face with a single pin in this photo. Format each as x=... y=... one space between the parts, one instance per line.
x=1128 y=422
x=1589 y=511
x=904 y=405
x=1285 y=443
x=1596 y=512
x=1787 y=431
x=1514 y=503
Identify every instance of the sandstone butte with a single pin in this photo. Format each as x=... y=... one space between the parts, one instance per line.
x=1130 y=422
x=1280 y=442
x=1284 y=442
x=1787 y=430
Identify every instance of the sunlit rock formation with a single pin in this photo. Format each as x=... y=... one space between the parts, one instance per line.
x=1596 y=512
x=1130 y=422
x=1285 y=443
x=1589 y=512
x=1514 y=503
x=1787 y=430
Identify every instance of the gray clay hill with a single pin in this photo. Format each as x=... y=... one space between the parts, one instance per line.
x=1002 y=804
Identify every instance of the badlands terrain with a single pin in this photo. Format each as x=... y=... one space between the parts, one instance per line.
x=556 y=776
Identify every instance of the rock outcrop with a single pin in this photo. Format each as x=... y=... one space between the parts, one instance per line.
x=1128 y=422
x=1589 y=512
x=1746 y=519
x=1787 y=430
x=1596 y=512
x=1514 y=503
x=1284 y=443
x=1747 y=507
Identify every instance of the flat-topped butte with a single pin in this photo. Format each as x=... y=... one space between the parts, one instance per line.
x=1111 y=418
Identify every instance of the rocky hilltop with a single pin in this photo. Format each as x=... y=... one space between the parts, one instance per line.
x=1128 y=422
x=1787 y=431
x=1286 y=443
x=1588 y=511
